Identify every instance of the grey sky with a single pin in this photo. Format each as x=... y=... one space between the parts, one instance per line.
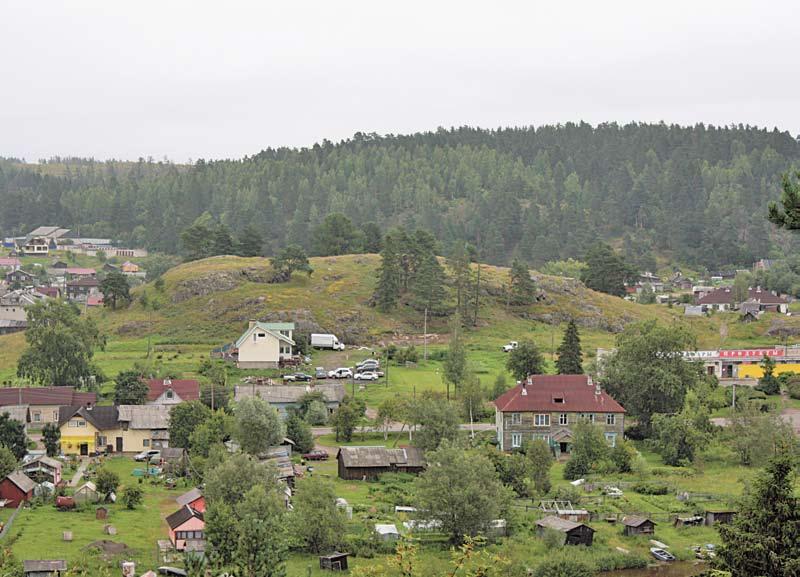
x=116 y=79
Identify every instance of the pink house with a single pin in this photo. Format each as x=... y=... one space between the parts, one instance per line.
x=185 y=525
x=193 y=499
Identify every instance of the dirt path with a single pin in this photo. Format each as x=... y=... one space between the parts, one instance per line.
x=76 y=478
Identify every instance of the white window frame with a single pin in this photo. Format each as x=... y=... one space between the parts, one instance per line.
x=516 y=418
x=539 y=417
x=611 y=419
x=611 y=439
x=145 y=442
x=516 y=440
x=563 y=419
x=540 y=437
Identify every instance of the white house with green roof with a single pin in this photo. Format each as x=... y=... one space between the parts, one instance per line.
x=263 y=345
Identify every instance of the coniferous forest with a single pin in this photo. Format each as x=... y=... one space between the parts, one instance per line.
x=696 y=194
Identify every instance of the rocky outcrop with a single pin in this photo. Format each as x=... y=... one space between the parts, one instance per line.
x=219 y=281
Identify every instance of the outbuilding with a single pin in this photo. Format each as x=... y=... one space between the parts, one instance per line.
x=387 y=532
x=193 y=499
x=86 y=493
x=334 y=562
x=43 y=468
x=186 y=528
x=16 y=488
x=722 y=516
x=635 y=525
x=574 y=533
x=368 y=463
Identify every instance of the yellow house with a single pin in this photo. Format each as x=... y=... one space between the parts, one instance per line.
x=112 y=429
x=83 y=429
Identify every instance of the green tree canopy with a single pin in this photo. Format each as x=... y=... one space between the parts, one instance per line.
x=336 y=235
x=605 y=271
x=648 y=374
x=184 y=418
x=522 y=289
x=525 y=360
x=116 y=290
x=130 y=388
x=258 y=426
x=462 y=490
x=290 y=259
x=788 y=214
x=61 y=344
x=316 y=520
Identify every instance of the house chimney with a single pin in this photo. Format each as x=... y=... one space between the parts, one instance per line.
x=251 y=324
x=589 y=380
x=597 y=390
x=524 y=390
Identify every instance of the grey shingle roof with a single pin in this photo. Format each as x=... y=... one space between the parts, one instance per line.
x=21 y=480
x=559 y=524
x=332 y=392
x=369 y=457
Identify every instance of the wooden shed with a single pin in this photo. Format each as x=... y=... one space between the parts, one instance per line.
x=723 y=516
x=334 y=562
x=45 y=568
x=574 y=533
x=368 y=463
x=15 y=488
x=635 y=525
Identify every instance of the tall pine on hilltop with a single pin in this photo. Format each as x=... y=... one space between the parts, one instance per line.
x=387 y=291
x=569 y=360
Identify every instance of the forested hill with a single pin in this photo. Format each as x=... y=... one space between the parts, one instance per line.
x=698 y=194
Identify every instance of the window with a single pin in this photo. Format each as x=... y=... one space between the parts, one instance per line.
x=37 y=417
x=558 y=400
x=516 y=418
x=541 y=420
x=611 y=419
x=55 y=415
x=538 y=437
x=563 y=419
x=611 y=439
x=587 y=417
x=261 y=335
x=516 y=440
x=145 y=442
x=170 y=394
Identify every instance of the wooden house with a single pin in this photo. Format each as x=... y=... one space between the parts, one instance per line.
x=368 y=463
x=16 y=488
x=634 y=525
x=574 y=533
x=43 y=468
x=44 y=568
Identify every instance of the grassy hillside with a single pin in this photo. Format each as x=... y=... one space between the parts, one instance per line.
x=208 y=303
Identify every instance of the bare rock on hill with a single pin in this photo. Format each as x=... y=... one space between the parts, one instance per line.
x=133 y=328
x=206 y=284
x=351 y=328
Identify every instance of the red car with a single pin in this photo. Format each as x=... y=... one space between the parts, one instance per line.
x=316 y=455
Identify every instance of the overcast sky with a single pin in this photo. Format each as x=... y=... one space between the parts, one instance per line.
x=125 y=79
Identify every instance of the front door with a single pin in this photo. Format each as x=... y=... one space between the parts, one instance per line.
x=563 y=447
x=119 y=444
x=84 y=449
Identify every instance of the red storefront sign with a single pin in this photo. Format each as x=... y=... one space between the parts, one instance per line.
x=751 y=353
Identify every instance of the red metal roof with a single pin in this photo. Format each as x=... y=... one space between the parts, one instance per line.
x=186 y=389
x=45 y=396
x=577 y=394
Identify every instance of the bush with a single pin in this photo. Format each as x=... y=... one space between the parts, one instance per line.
x=793 y=388
x=132 y=497
x=106 y=482
x=650 y=488
x=563 y=566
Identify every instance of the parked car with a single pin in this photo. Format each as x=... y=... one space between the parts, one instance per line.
x=661 y=554
x=172 y=572
x=316 y=455
x=155 y=459
x=146 y=455
x=297 y=377
x=366 y=376
x=340 y=373
x=320 y=373
x=510 y=346
x=369 y=363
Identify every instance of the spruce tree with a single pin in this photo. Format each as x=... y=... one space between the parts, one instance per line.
x=522 y=289
x=764 y=537
x=428 y=290
x=569 y=352
x=387 y=291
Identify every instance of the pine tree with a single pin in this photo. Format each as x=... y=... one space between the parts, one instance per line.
x=428 y=290
x=569 y=352
x=223 y=243
x=387 y=291
x=522 y=289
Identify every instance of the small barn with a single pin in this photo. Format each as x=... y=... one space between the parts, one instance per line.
x=86 y=493
x=45 y=568
x=634 y=525
x=369 y=463
x=193 y=499
x=43 y=468
x=574 y=533
x=16 y=488
x=334 y=562
x=719 y=516
x=175 y=460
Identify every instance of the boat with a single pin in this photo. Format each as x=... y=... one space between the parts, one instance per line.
x=661 y=554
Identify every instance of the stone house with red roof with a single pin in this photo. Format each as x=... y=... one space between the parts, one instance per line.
x=546 y=407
